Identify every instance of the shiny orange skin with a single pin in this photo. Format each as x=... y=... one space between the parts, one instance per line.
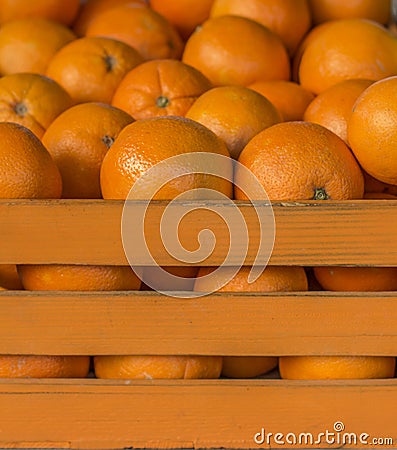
x=140 y=27
x=235 y=114
x=32 y=366
x=58 y=10
x=336 y=367
x=27 y=45
x=32 y=100
x=66 y=277
x=311 y=36
x=372 y=130
x=163 y=87
x=146 y=142
x=185 y=15
x=157 y=367
x=325 y=170
x=78 y=140
x=347 y=49
x=233 y=50
x=26 y=168
x=290 y=98
x=289 y=19
x=332 y=108
x=364 y=279
x=91 y=68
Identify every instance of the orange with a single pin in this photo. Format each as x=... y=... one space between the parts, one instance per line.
x=372 y=130
x=301 y=161
x=58 y=10
x=368 y=279
x=323 y=10
x=27 y=45
x=332 y=108
x=235 y=114
x=185 y=15
x=9 y=277
x=92 y=8
x=31 y=100
x=78 y=140
x=153 y=367
x=147 y=142
x=272 y=279
x=288 y=97
x=26 y=168
x=162 y=87
x=90 y=69
x=32 y=366
x=346 y=49
x=290 y=19
x=142 y=28
x=232 y=50
x=311 y=36
x=67 y=277
x=247 y=366
x=336 y=367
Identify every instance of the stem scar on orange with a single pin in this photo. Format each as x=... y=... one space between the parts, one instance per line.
x=91 y=68
x=78 y=140
x=162 y=87
x=301 y=161
x=32 y=100
x=146 y=142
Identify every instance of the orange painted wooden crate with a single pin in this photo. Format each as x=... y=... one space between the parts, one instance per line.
x=91 y=413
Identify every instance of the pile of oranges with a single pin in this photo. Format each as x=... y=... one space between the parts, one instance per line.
x=303 y=93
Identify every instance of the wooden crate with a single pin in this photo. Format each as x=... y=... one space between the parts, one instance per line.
x=107 y=414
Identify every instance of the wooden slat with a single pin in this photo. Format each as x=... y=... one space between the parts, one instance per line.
x=88 y=232
x=192 y=414
x=148 y=323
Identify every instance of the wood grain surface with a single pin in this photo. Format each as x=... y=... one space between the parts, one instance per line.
x=89 y=232
x=191 y=413
x=235 y=324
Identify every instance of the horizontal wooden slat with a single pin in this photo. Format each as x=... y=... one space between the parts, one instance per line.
x=148 y=323
x=88 y=232
x=193 y=414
